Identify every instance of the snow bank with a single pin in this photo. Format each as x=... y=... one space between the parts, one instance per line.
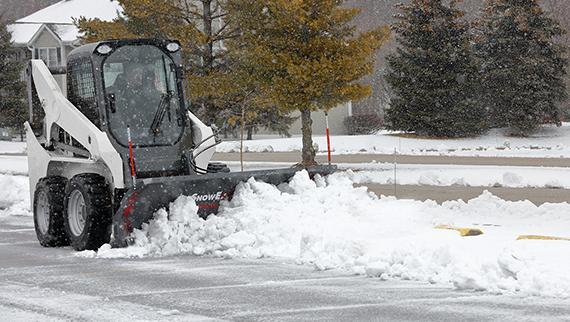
x=550 y=141
x=332 y=225
x=14 y=196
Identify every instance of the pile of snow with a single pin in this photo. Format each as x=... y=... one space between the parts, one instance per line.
x=551 y=141
x=332 y=225
x=15 y=197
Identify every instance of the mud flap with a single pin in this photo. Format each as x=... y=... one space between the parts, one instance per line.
x=138 y=206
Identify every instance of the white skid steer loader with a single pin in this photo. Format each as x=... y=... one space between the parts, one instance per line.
x=121 y=145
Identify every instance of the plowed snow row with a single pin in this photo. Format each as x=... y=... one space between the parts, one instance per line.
x=330 y=224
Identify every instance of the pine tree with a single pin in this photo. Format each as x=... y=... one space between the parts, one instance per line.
x=13 y=111
x=305 y=55
x=522 y=69
x=432 y=73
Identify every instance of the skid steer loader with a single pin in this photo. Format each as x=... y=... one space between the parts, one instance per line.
x=120 y=145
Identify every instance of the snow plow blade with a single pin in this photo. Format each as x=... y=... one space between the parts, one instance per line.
x=139 y=205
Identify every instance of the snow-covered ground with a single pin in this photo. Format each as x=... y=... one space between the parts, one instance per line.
x=549 y=142
x=466 y=176
x=14 y=196
x=332 y=225
x=440 y=175
x=10 y=147
x=329 y=224
x=406 y=174
x=13 y=164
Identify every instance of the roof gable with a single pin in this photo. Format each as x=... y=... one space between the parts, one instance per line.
x=44 y=29
x=64 y=11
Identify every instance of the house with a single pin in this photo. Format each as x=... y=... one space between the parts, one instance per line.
x=49 y=34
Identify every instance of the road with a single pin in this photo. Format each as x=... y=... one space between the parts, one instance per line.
x=538 y=196
x=52 y=284
x=294 y=157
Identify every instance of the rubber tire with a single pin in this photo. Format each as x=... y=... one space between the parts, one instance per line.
x=97 y=197
x=54 y=187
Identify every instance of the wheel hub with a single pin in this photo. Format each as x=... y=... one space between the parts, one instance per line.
x=77 y=213
x=42 y=211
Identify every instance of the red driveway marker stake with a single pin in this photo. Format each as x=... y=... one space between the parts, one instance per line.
x=328 y=137
x=132 y=158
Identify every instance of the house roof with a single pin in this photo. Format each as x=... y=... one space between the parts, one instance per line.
x=59 y=18
x=64 y=11
x=22 y=33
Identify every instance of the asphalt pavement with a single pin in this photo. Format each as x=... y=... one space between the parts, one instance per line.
x=538 y=196
x=51 y=284
x=294 y=157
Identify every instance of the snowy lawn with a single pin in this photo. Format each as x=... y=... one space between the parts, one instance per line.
x=14 y=165
x=455 y=175
x=383 y=173
x=9 y=147
x=441 y=175
x=331 y=225
x=549 y=142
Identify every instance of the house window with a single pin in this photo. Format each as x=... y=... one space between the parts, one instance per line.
x=50 y=55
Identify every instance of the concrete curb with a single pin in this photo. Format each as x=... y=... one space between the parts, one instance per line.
x=538 y=237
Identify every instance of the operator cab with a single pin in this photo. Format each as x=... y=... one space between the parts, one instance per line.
x=141 y=92
x=137 y=85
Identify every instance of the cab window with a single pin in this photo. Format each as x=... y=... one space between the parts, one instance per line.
x=81 y=89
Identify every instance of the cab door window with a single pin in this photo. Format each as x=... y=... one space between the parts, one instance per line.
x=81 y=89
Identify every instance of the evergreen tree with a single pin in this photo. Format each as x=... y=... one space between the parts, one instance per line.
x=522 y=69
x=13 y=111
x=432 y=73
x=304 y=55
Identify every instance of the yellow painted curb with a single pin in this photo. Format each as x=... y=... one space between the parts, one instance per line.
x=537 y=237
x=464 y=232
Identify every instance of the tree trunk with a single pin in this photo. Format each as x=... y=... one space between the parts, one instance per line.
x=207 y=20
x=250 y=133
x=241 y=135
x=307 y=130
x=208 y=57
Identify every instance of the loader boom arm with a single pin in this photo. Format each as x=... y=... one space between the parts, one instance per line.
x=58 y=110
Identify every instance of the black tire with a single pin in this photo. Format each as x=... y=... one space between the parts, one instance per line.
x=48 y=220
x=96 y=196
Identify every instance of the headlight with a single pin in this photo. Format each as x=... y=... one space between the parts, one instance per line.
x=104 y=49
x=173 y=47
